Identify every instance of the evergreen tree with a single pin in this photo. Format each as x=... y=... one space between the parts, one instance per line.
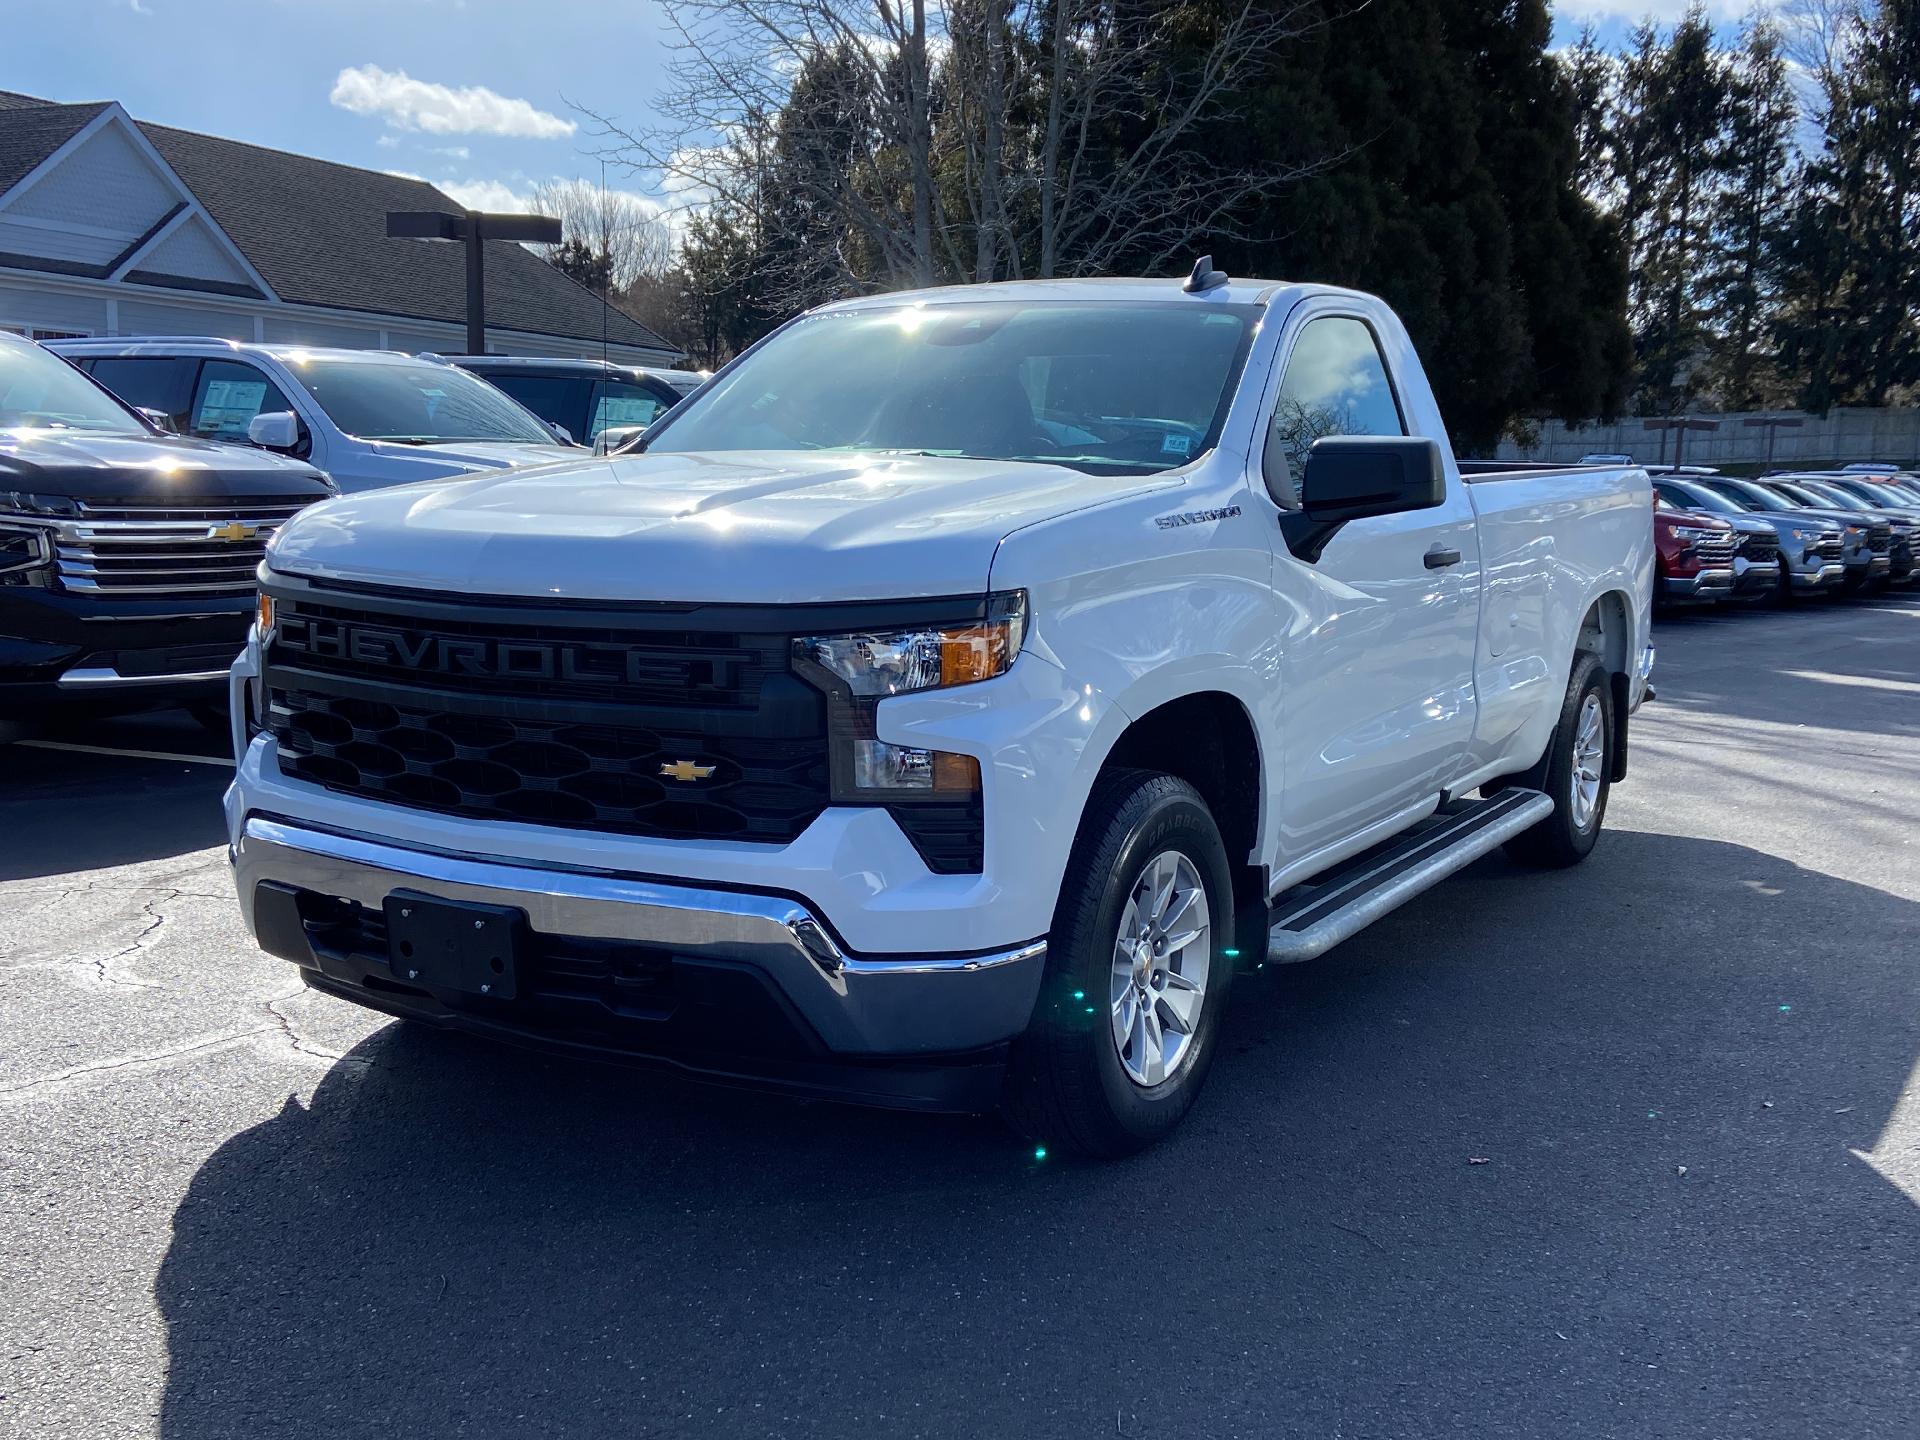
x=1673 y=156
x=1873 y=161
x=1747 y=215
x=1455 y=197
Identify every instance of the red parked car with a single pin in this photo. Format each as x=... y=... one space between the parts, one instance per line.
x=1693 y=559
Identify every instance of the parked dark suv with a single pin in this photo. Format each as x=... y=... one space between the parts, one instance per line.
x=585 y=397
x=127 y=555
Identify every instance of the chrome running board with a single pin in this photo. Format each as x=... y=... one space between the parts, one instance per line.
x=1314 y=916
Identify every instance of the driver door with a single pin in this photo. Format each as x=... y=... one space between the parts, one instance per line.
x=1377 y=670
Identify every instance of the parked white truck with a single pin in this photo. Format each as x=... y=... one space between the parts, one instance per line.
x=943 y=705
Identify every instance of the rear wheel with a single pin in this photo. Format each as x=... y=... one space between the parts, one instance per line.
x=1137 y=973
x=1574 y=773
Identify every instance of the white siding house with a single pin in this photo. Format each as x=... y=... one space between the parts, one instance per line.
x=113 y=227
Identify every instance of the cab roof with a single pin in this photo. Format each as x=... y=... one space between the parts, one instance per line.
x=1167 y=289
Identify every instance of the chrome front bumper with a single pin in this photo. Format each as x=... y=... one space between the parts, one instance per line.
x=857 y=1006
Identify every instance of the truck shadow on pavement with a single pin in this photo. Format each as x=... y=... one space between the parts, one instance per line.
x=1550 y=1154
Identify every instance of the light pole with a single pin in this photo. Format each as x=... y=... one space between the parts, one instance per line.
x=1679 y=424
x=1774 y=424
x=474 y=229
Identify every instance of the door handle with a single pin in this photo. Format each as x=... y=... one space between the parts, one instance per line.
x=1439 y=557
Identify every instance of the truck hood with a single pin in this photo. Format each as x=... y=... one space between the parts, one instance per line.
x=86 y=465
x=402 y=464
x=774 y=527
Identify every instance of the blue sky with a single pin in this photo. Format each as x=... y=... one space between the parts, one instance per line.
x=474 y=95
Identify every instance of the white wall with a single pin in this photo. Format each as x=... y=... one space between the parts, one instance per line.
x=23 y=308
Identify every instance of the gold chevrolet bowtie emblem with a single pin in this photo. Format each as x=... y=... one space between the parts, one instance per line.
x=685 y=770
x=233 y=532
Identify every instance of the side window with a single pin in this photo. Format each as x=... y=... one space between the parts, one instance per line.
x=227 y=397
x=149 y=382
x=557 y=399
x=1335 y=384
x=617 y=403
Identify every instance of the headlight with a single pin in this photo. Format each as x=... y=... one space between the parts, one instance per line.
x=859 y=670
x=1800 y=535
x=1689 y=532
x=899 y=662
x=24 y=548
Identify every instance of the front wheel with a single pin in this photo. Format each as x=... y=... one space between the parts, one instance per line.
x=1137 y=973
x=1574 y=772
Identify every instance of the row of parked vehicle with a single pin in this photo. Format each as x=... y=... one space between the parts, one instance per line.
x=373 y=418
x=1783 y=535
x=142 y=479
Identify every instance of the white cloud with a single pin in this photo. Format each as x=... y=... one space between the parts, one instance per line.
x=409 y=104
x=494 y=195
x=388 y=142
x=452 y=152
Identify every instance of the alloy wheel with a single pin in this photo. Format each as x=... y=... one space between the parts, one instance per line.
x=1160 y=962
x=1589 y=762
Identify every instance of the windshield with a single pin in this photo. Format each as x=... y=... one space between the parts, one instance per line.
x=416 y=403
x=1750 y=497
x=1800 y=495
x=1698 y=498
x=1104 y=388
x=1877 y=497
x=40 y=390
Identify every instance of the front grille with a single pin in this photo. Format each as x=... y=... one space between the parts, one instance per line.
x=177 y=550
x=1833 y=548
x=550 y=723
x=582 y=776
x=1760 y=549
x=1717 y=548
x=1880 y=539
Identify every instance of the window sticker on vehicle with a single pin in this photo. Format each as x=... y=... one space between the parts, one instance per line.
x=1176 y=444
x=229 y=405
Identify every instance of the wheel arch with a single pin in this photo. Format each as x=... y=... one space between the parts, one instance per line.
x=1208 y=738
x=1606 y=631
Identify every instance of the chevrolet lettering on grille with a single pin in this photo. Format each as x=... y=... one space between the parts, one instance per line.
x=428 y=654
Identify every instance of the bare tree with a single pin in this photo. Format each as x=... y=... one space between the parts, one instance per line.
x=629 y=237
x=896 y=142
x=1129 y=86
x=857 y=153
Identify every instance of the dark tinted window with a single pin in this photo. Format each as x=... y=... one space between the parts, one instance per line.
x=560 y=399
x=1335 y=384
x=227 y=396
x=149 y=382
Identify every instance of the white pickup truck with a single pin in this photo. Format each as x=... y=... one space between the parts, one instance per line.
x=944 y=706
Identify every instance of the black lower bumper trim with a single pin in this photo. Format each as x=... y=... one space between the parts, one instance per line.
x=623 y=1003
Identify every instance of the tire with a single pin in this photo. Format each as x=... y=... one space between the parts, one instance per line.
x=1567 y=836
x=1069 y=1082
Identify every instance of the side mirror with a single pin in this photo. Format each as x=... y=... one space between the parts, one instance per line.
x=159 y=419
x=274 y=430
x=616 y=437
x=1352 y=477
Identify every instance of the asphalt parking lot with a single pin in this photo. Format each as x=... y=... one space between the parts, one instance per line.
x=1629 y=1150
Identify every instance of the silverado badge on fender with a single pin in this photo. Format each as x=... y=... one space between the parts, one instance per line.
x=685 y=770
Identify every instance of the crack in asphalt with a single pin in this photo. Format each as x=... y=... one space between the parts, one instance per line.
x=292 y=1035
x=80 y=1072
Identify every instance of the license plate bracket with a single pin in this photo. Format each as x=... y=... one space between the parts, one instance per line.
x=461 y=945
